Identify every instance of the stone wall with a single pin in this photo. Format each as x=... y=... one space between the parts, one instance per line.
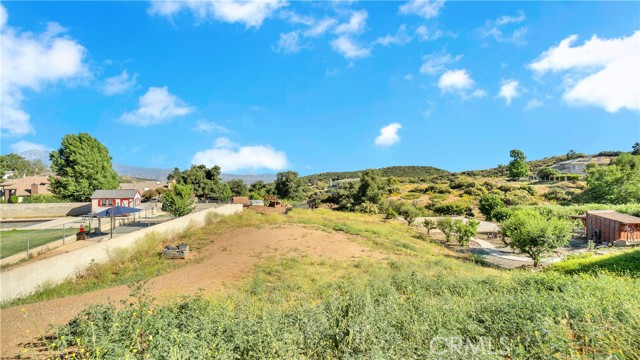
x=43 y=210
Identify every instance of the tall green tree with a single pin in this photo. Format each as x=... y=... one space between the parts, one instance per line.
x=82 y=165
x=238 y=187
x=371 y=188
x=518 y=166
x=288 y=186
x=257 y=190
x=178 y=200
x=635 y=149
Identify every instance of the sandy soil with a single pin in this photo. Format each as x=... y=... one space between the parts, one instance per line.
x=231 y=257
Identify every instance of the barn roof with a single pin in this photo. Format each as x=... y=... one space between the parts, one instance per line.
x=114 y=194
x=614 y=215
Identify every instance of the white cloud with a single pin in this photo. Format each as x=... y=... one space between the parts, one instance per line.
x=249 y=13
x=156 y=106
x=289 y=43
x=356 y=24
x=388 y=135
x=209 y=127
x=31 y=61
x=424 y=34
x=459 y=82
x=349 y=48
x=22 y=146
x=119 y=83
x=499 y=29
x=436 y=63
x=424 y=8
x=600 y=72
x=232 y=157
x=408 y=77
x=320 y=27
x=532 y=104
x=400 y=38
x=509 y=90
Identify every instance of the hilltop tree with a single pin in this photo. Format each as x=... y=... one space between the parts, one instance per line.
x=636 y=149
x=82 y=165
x=178 y=201
x=518 y=166
x=288 y=185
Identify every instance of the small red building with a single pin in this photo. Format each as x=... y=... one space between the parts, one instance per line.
x=104 y=199
x=608 y=226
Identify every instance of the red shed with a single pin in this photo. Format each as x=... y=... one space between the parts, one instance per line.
x=609 y=226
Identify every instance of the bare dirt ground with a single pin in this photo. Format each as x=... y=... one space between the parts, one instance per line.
x=231 y=257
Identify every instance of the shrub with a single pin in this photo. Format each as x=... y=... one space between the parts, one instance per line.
x=13 y=199
x=488 y=204
x=437 y=189
x=411 y=196
x=368 y=208
x=501 y=214
x=429 y=224
x=465 y=231
x=409 y=213
x=475 y=191
x=546 y=173
x=517 y=197
x=390 y=213
x=445 y=225
x=453 y=209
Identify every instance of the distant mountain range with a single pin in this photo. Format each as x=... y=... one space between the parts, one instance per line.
x=147 y=172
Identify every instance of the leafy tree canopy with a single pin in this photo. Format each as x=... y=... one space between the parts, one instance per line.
x=618 y=183
x=518 y=166
x=21 y=166
x=82 y=165
x=178 y=200
x=289 y=186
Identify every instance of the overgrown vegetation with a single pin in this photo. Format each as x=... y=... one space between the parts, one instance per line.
x=316 y=308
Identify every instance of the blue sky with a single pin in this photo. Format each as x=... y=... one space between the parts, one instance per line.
x=260 y=87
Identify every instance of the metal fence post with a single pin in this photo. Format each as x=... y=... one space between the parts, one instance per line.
x=63 y=234
x=28 y=239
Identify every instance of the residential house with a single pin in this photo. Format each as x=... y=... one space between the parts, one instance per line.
x=104 y=199
x=579 y=165
x=25 y=186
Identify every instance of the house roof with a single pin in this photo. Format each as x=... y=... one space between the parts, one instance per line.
x=240 y=200
x=271 y=198
x=23 y=185
x=114 y=194
x=614 y=215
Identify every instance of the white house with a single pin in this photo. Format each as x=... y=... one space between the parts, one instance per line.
x=104 y=199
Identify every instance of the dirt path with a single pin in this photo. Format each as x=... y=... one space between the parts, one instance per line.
x=231 y=256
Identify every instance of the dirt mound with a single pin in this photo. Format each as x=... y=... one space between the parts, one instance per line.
x=231 y=256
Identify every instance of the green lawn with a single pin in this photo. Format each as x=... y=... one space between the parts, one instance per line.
x=15 y=241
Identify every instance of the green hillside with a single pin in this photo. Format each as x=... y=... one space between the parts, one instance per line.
x=391 y=171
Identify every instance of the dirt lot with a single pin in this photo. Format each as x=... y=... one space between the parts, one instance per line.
x=231 y=257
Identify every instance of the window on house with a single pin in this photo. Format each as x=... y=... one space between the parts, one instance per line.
x=106 y=202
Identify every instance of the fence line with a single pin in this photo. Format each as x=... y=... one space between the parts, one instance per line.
x=25 y=279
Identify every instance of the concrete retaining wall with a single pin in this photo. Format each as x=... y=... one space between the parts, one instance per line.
x=43 y=210
x=25 y=279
